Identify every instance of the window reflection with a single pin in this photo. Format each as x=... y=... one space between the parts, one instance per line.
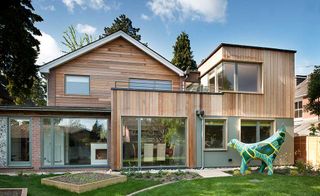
x=68 y=141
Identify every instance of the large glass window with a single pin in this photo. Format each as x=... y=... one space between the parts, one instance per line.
x=298 y=109
x=255 y=131
x=215 y=134
x=150 y=84
x=77 y=85
x=74 y=141
x=243 y=77
x=130 y=141
x=248 y=77
x=19 y=141
x=228 y=76
x=153 y=141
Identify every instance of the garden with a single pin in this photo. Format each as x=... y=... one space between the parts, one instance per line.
x=300 y=180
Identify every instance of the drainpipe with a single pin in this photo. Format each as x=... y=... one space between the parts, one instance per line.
x=200 y=114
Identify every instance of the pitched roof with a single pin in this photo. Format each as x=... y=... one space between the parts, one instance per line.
x=302 y=89
x=72 y=55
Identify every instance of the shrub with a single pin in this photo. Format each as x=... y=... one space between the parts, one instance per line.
x=247 y=172
x=294 y=172
x=236 y=172
x=304 y=168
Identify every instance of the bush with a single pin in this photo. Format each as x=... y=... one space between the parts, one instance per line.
x=294 y=172
x=236 y=172
x=304 y=168
x=247 y=172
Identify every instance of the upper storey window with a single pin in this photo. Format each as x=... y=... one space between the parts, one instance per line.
x=77 y=85
x=150 y=84
x=239 y=77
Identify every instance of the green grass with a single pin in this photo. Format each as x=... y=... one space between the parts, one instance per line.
x=243 y=185
x=33 y=183
x=254 y=184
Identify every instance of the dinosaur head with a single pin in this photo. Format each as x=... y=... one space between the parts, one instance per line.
x=232 y=143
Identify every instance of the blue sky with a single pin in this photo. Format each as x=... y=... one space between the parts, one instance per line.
x=288 y=24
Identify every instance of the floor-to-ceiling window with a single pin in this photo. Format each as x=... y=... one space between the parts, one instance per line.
x=153 y=141
x=20 y=142
x=74 y=141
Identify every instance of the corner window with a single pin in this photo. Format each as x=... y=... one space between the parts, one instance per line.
x=150 y=84
x=255 y=131
x=242 y=77
x=77 y=85
x=19 y=142
x=298 y=109
x=215 y=134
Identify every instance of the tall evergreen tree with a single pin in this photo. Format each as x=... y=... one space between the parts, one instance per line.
x=18 y=47
x=314 y=92
x=125 y=24
x=182 y=54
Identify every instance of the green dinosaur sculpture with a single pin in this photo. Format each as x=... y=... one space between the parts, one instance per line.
x=265 y=150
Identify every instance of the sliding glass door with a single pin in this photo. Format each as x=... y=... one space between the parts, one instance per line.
x=153 y=142
x=19 y=142
x=74 y=141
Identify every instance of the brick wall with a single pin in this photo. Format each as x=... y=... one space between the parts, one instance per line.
x=36 y=143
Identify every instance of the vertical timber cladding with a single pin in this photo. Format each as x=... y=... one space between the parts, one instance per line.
x=159 y=104
x=278 y=85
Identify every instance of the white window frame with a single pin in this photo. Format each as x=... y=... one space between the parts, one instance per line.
x=298 y=109
x=80 y=76
x=225 y=134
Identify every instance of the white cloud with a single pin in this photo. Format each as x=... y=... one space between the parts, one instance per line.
x=49 y=49
x=85 y=28
x=48 y=8
x=207 y=10
x=84 y=4
x=145 y=17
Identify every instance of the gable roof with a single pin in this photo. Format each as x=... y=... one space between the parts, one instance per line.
x=302 y=89
x=72 y=55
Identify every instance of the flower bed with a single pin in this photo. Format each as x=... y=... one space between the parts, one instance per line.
x=13 y=191
x=83 y=182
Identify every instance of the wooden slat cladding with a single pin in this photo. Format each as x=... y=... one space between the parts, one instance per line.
x=114 y=61
x=277 y=98
x=166 y=104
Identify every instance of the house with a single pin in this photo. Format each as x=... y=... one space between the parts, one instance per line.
x=306 y=147
x=117 y=103
x=302 y=118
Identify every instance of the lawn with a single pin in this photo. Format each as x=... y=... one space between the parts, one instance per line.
x=254 y=184
x=35 y=188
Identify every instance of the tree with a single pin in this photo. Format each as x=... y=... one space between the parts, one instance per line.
x=314 y=92
x=73 y=41
x=18 y=47
x=182 y=54
x=124 y=24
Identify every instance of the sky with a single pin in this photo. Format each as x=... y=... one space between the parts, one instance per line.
x=286 y=24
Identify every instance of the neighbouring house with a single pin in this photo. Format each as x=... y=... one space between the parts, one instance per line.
x=306 y=147
x=117 y=103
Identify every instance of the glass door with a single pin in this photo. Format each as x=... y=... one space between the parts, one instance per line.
x=19 y=142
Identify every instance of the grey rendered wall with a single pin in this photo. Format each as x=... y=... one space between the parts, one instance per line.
x=3 y=141
x=221 y=158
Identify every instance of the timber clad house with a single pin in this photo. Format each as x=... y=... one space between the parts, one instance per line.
x=116 y=103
